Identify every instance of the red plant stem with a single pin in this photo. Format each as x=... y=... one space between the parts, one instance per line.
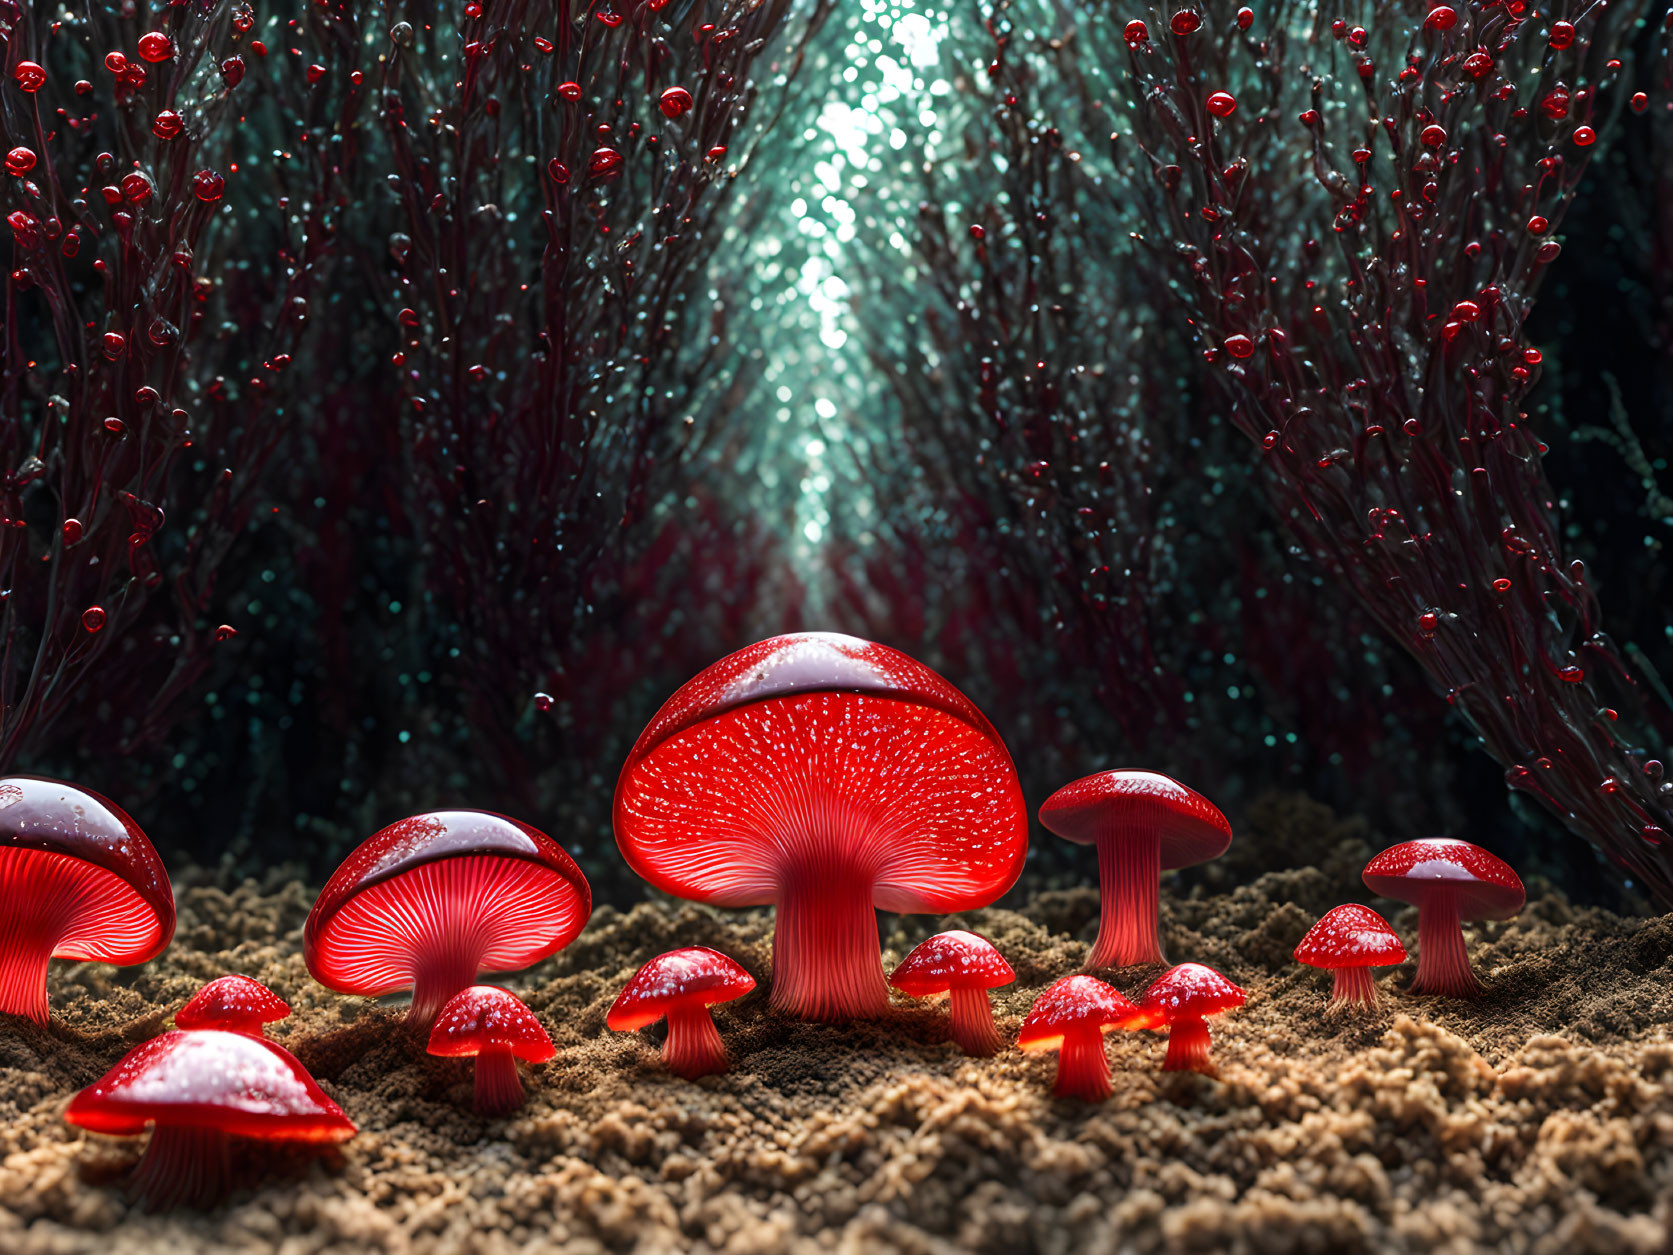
x=1188 y=1043
x=499 y=1090
x=1353 y=986
x=693 y=1048
x=1443 y=964
x=1083 y=1071
x=1129 y=876
x=183 y=1167
x=827 y=964
x=971 y=1018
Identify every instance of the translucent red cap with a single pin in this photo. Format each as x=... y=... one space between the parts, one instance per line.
x=501 y=880
x=1191 y=990
x=484 y=1018
x=695 y=974
x=1483 y=885
x=1076 y=1003
x=234 y=1002
x=1191 y=828
x=951 y=960
x=817 y=749
x=209 y=1079
x=117 y=903
x=1350 y=936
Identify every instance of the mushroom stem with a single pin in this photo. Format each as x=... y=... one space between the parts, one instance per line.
x=39 y=899
x=972 y=1022
x=183 y=1167
x=499 y=1090
x=1188 y=1043
x=827 y=964
x=439 y=973
x=1129 y=878
x=1443 y=965
x=693 y=1048
x=1353 y=986
x=1083 y=1070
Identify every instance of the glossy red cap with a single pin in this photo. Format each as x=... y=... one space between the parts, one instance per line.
x=695 y=974
x=515 y=887
x=1076 y=1003
x=814 y=743
x=1484 y=885
x=951 y=960
x=1191 y=990
x=484 y=1018
x=121 y=908
x=235 y=1003
x=1191 y=828
x=209 y=1079
x=1350 y=936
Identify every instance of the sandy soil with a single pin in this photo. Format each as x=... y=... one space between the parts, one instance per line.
x=1538 y=1119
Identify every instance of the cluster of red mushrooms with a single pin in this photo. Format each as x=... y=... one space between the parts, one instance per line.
x=820 y=774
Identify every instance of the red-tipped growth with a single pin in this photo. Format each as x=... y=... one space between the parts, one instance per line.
x=78 y=880
x=1449 y=881
x=1071 y=1017
x=830 y=777
x=433 y=901
x=497 y=1029
x=1142 y=824
x=1349 y=941
x=1183 y=998
x=682 y=985
x=964 y=966
x=235 y=1004
x=199 y=1088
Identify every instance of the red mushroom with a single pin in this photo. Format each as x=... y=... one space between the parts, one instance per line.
x=1183 y=998
x=830 y=777
x=682 y=985
x=234 y=1003
x=198 y=1089
x=1071 y=1017
x=78 y=880
x=495 y=1026
x=964 y=967
x=1143 y=824
x=1350 y=941
x=1449 y=881
x=432 y=901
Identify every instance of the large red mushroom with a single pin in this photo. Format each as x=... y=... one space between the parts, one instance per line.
x=234 y=1003
x=78 y=880
x=1143 y=824
x=830 y=777
x=1349 y=941
x=682 y=985
x=1184 y=998
x=964 y=966
x=1071 y=1017
x=1449 y=881
x=198 y=1089
x=431 y=902
x=495 y=1027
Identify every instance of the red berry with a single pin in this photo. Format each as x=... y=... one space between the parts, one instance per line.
x=674 y=101
x=20 y=161
x=30 y=76
x=1184 y=22
x=1221 y=104
x=1442 y=17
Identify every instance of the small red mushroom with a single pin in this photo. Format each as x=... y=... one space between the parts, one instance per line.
x=1449 y=881
x=830 y=777
x=78 y=880
x=1143 y=824
x=234 y=1003
x=433 y=901
x=964 y=967
x=199 y=1088
x=1071 y=1017
x=1183 y=998
x=682 y=985
x=1349 y=941
x=495 y=1026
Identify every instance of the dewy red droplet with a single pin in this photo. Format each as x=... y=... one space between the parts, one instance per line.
x=570 y=91
x=136 y=187
x=168 y=125
x=1433 y=136
x=156 y=46
x=72 y=531
x=1245 y=17
x=1442 y=17
x=1478 y=65
x=1136 y=33
x=674 y=101
x=232 y=71
x=1184 y=22
x=1538 y=225
x=225 y=632
x=1562 y=35
x=606 y=162
x=115 y=344
x=20 y=161
x=1584 y=136
x=208 y=186
x=1221 y=104
x=93 y=618
x=1239 y=346
x=30 y=76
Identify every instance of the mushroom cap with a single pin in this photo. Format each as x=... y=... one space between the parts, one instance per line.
x=210 y=1079
x=1191 y=828
x=129 y=906
x=483 y=1018
x=1076 y=1002
x=824 y=750
x=1190 y=990
x=1485 y=886
x=1350 y=936
x=515 y=881
x=694 y=974
x=951 y=960
x=231 y=998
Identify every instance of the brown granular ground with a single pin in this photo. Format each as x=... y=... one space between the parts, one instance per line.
x=1539 y=1119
